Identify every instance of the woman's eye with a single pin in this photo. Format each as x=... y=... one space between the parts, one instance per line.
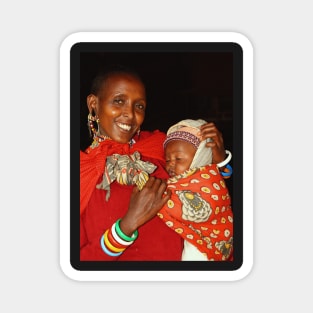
x=118 y=101
x=140 y=106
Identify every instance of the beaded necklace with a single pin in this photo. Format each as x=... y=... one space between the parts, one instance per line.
x=97 y=138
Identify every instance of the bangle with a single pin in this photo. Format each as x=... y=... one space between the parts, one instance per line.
x=122 y=235
x=227 y=171
x=118 y=239
x=109 y=244
x=114 y=242
x=105 y=249
x=223 y=163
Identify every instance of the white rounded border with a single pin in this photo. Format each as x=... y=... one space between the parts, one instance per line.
x=65 y=48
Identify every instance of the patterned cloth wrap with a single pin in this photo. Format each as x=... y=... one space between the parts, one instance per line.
x=200 y=211
x=126 y=170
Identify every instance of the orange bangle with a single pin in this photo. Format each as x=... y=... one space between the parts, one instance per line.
x=109 y=245
x=228 y=170
x=113 y=241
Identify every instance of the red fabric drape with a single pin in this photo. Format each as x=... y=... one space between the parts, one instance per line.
x=155 y=241
x=200 y=211
x=92 y=161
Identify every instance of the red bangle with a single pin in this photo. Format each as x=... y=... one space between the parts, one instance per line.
x=109 y=245
x=113 y=241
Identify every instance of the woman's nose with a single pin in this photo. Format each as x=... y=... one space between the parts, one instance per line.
x=128 y=111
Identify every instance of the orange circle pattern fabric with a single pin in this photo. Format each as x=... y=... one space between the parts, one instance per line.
x=200 y=211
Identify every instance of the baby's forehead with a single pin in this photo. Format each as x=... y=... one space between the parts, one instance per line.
x=179 y=145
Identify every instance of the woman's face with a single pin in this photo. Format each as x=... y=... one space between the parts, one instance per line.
x=120 y=106
x=178 y=156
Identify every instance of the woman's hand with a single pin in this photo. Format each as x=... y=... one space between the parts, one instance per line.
x=209 y=130
x=144 y=204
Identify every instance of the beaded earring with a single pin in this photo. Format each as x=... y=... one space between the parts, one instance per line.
x=91 y=126
x=95 y=131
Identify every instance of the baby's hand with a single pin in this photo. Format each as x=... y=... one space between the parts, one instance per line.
x=209 y=130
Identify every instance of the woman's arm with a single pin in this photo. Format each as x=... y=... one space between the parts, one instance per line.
x=144 y=205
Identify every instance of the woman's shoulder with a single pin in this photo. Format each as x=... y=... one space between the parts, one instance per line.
x=150 y=142
x=148 y=134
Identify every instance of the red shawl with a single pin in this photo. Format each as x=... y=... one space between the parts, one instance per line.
x=92 y=161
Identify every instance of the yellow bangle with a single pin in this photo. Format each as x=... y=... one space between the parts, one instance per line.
x=109 y=245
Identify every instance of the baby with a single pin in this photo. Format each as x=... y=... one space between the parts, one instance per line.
x=200 y=206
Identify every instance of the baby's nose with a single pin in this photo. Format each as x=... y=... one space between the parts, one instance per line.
x=171 y=163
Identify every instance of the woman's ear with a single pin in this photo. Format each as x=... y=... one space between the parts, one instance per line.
x=92 y=102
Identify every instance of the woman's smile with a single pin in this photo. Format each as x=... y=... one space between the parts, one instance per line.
x=124 y=127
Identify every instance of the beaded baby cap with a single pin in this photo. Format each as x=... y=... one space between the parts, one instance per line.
x=188 y=134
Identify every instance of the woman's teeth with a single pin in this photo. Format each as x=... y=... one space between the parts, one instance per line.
x=124 y=126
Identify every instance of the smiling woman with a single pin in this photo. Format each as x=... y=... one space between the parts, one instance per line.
x=119 y=192
x=118 y=100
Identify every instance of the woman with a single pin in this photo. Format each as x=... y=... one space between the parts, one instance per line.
x=118 y=220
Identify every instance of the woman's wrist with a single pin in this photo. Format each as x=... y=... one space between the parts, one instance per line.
x=125 y=236
x=126 y=227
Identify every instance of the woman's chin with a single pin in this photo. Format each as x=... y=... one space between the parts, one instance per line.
x=123 y=138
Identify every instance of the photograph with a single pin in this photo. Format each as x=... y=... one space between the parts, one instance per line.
x=156 y=156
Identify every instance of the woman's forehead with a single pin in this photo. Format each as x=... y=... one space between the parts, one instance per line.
x=122 y=82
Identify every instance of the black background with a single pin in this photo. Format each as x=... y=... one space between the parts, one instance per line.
x=179 y=85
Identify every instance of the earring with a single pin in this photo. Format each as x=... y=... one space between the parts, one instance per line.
x=95 y=131
x=91 y=126
x=138 y=132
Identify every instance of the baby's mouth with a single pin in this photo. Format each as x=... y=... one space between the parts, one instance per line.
x=172 y=173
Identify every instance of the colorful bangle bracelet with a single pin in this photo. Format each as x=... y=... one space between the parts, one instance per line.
x=122 y=235
x=223 y=163
x=114 y=242
x=109 y=244
x=105 y=249
x=118 y=239
x=228 y=173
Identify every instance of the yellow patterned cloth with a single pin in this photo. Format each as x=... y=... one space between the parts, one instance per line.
x=125 y=170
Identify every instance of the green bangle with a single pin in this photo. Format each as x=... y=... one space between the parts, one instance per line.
x=122 y=235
